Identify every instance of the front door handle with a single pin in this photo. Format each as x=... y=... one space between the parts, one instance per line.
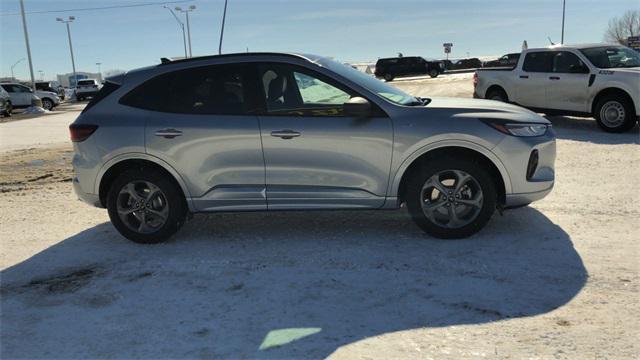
x=168 y=133
x=554 y=78
x=524 y=76
x=285 y=134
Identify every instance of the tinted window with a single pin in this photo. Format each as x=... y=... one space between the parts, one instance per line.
x=612 y=57
x=291 y=90
x=86 y=82
x=566 y=62
x=204 y=90
x=538 y=62
x=106 y=90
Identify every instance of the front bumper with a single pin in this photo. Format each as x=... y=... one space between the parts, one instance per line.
x=517 y=200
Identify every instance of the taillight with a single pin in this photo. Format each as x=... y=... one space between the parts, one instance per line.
x=475 y=79
x=80 y=132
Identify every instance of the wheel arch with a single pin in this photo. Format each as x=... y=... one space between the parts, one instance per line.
x=496 y=87
x=496 y=168
x=611 y=91
x=110 y=171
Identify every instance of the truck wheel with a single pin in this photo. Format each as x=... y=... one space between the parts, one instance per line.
x=615 y=114
x=497 y=95
x=451 y=197
x=388 y=77
x=145 y=206
x=434 y=73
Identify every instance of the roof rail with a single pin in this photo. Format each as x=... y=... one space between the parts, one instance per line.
x=165 y=61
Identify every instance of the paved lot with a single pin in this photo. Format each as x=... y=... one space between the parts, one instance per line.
x=558 y=279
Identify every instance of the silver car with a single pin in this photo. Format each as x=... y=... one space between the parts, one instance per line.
x=268 y=131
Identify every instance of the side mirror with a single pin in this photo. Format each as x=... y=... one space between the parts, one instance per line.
x=357 y=107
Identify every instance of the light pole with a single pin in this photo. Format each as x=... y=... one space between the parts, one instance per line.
x=224 y=16
x=187 y=11
x=13 y=77
x=564 y=3
x=26 y=40
x=73 y=62
x=184 y=38
x=99 y=70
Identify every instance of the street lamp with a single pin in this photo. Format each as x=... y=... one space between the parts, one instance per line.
x=564 y=3
x=99 y=71
x=184 y=38
x=73 y=62
x=13 y=66
x=224 y=16
x=187 y=11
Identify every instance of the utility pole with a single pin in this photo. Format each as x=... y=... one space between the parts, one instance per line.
x=564 y=3
x=184 y=37
x=224 y=15
x=187 y=11
x=73 y=62
x=26 y=40
x=99 y=70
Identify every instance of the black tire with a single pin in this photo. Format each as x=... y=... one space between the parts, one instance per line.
x=497 y=95
x=175 y=201
x=47 y=104
x=80 y=98
x=481 y=176
x=434 y=73
x=616 y=103
x=8 y=110
x=388 y=77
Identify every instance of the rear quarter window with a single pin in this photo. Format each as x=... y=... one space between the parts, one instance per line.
x=538 y=62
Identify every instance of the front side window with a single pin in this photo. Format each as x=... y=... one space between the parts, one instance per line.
x=217 y=89
x=538 y=62
x=612 y=57
x=568 y=63
x=290 y=90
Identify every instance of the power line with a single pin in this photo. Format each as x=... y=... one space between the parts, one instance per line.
x=101 y=7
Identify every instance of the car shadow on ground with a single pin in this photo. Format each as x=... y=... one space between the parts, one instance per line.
x=279 y=285
x=586 y=129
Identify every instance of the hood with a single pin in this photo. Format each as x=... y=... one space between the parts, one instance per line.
x=633 y=70
x=486 y=109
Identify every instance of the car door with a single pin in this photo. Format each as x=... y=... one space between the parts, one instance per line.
x=317 y=157
x=567 y=87
x=205 y=128
x=531 y=81
x=20 y=95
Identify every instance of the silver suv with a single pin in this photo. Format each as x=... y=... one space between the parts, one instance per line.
x=266 y=131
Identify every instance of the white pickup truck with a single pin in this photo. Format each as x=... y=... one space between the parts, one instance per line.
x=598 y=80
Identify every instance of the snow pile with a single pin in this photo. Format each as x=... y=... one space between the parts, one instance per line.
x=34 y=110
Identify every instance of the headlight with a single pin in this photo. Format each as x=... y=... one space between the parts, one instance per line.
x=522 y=130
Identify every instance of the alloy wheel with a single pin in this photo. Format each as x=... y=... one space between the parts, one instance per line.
x=142 y=206
x=451 y=198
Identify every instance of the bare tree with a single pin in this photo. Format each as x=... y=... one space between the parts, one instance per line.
x=620 y=28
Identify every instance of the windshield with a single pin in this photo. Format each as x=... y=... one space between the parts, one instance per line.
x=608 y=57
x=370 y=83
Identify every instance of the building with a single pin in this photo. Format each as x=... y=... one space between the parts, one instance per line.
x=66 y=80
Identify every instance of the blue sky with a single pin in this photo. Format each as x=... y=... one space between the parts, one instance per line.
x=349 y=30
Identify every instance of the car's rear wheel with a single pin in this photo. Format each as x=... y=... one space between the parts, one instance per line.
x=615 y=114
x=434 y=73
x=388 y=77
x=47 y=104
x=497 y=95
x=145 y=206
x=451 y=198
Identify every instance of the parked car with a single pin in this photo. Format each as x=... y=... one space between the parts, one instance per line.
x=596 y=80
x=23 y=97
x=391 y=68
x=87 y=88
x=51 y=86
x=5 y=103
x=268 y=131
x=462 y=64
x=509 y=60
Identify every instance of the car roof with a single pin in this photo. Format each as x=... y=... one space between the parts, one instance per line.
x=575 y=46
x=308 y=57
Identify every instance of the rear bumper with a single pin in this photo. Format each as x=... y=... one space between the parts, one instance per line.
x=91 y=199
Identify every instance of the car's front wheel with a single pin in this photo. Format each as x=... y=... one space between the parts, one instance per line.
x=388 y=77
x=146 y=206
x=8 y=109
x=434 y=73
x=47 y=104
x=615 y=114
x=451 y=198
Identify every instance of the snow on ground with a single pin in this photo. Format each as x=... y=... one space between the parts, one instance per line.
x=558 y=279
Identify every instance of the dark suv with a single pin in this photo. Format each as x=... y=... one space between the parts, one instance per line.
x=391 y=68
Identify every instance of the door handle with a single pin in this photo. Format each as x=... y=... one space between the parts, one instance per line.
x=524 y=76
x=168 y=133
x=285 y=134
x=554 y=78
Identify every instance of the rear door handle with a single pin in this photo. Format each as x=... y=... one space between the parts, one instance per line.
x=554 y=78
x=285 y=134
x=168 y=133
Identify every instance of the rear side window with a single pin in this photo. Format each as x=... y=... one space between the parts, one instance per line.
x=566 y=62
x=106 y=90
x=217 y=89
x=538 y=62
